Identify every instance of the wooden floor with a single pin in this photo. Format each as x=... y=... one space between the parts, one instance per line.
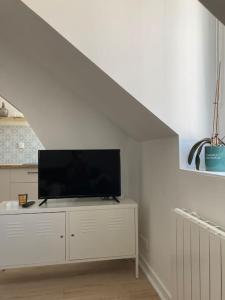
x=112 y=280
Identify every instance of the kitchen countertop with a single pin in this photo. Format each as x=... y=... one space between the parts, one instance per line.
x=18 y=166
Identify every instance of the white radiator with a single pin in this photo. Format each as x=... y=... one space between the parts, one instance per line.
x=199 y=258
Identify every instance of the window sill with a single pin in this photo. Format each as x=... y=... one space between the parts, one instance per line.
x=205 y=173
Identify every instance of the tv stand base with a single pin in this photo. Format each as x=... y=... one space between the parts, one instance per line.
x=116 y=199
x=43 y=202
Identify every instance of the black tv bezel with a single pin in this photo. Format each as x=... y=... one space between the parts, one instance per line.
x=85 y=195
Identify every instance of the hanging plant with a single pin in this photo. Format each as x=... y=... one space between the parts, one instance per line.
x=215 y=152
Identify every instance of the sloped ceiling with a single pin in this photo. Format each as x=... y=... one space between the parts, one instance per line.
x=216 y=7
x=29 y=34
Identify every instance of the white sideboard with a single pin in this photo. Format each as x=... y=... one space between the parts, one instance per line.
x=68 y=231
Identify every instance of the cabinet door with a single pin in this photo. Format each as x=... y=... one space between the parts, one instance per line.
x=101 y=233
x=4 y=184
x=30 y=188
x=24 y=175
x=28 y=239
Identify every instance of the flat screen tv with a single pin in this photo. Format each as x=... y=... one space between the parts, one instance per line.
x=79 y=173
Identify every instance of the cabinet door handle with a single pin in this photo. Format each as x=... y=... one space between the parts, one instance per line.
x=32 y=172
x=72 y=235
x=61 y=236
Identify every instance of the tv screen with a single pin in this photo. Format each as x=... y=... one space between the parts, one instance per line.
x=78 y=173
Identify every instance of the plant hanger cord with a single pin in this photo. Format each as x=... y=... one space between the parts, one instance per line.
x=215 y=134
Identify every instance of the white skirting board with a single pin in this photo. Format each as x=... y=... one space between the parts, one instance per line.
x=153 y=278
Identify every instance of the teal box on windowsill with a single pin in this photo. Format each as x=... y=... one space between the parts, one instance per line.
x=215 y=158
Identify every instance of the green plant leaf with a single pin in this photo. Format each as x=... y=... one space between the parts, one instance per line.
x=197 y=157
x=197 y=162
x=194 y=149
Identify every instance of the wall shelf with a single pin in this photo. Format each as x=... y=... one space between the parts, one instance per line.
x=13 y=121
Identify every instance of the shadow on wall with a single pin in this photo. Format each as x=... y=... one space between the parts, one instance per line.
x=18 y=142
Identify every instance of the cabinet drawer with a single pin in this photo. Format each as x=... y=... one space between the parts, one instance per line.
x=24 y=175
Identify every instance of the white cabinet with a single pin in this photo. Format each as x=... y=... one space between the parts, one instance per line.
x=18 y=181
x=24 y=175
x=67 y=232
x=29 y=239
x=4 y=184
x=24 y=181
x=101 y=233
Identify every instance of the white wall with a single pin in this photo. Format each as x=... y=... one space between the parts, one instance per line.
x=59 y=118
x=124 y=38
x=190 y=70
x=160 y=51
x=163 y=53
x=190 y=61
x=38 y=41
x=159 y=196
x=221 y=57
x=165 y=187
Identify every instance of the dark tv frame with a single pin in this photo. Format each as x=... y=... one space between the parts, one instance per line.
x=103 y=196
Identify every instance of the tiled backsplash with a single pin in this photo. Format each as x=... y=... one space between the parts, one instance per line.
x=11 y=137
